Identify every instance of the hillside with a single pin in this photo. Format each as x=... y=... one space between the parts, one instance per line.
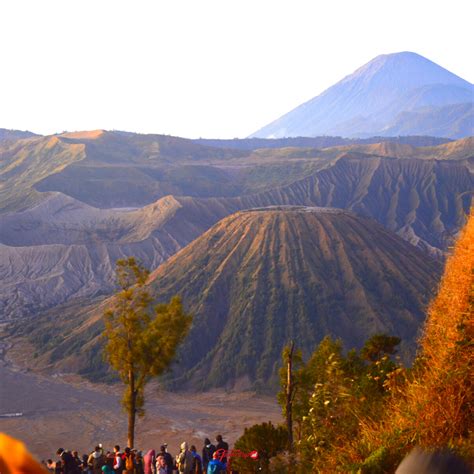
x=117 y=169
x=24 y=163
x=401 y=93
x=424 y=201
x=259 y=278
x=63 y=250
x=6 y=134
x=57 y=247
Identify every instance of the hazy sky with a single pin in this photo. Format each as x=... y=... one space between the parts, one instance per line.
x=210 y=68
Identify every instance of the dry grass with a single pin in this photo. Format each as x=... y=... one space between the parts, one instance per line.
x=433 y=406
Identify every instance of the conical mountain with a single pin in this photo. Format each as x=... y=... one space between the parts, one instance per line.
x=371 y=100
x=260 y=278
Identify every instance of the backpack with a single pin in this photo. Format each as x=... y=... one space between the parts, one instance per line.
x=129 y=463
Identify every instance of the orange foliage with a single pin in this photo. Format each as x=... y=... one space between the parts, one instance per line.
x=436 y=406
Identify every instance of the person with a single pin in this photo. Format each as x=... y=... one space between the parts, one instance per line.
x=77 y=460
x=107 y=468
x=59 y=467
x=222 y=447
x=197 y=463
x=168 y=458
x=185 y=459
x=118 y=463
x=216 y=466
x=50 y=465
x=207 y=451
x=138 y=462
x=69 y=465
x=128 y=461
x=161 y=467
x=149 y=462
x=84 y=465
x=96 y=460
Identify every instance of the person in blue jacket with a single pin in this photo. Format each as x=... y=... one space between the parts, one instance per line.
x=215 y=466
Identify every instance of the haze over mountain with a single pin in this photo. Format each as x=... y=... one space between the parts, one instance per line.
x=254 y=281
x=400 y=93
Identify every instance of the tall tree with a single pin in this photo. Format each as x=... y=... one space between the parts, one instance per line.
x=141 y=340
x=290 y=393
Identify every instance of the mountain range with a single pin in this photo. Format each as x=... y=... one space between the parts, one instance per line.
x=61 y=230
x=393 y=94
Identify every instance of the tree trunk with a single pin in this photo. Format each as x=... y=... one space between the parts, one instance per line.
x=132 y=409
x=289 y=396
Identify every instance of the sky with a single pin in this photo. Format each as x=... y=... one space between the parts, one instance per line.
x=203 y=68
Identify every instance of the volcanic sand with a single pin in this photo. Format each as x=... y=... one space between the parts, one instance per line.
x=61 y=411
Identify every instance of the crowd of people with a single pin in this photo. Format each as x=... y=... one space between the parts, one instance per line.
x=212 y=459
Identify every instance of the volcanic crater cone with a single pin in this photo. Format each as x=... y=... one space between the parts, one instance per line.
x=260 y=278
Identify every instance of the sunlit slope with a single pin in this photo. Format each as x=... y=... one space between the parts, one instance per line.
x=260 y=278
x=24 y=163
x=123 y=170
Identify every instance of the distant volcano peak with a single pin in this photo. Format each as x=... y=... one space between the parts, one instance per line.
x=373 y=99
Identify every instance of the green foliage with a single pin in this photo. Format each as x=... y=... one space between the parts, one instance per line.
x=265 y=438
x=374 y=464
x=378 y=345
x=141 y=342
x=334 y=393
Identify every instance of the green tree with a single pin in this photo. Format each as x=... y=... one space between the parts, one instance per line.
x=305 y=376
x=141 y=340
x=333 y=394
x=265 y=438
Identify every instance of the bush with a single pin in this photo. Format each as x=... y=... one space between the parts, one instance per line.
x=265 y=438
